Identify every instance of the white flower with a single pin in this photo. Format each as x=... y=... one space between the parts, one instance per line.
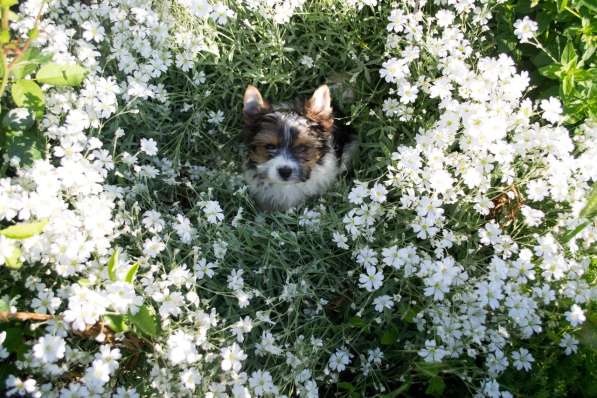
x=569 y=343
x=149 y=146
x=190 y=378
x=181 y=348
x=213 y=212
x=339 y=360
x=372 y=280
x=382 y=302
x=261 y=383
x=525 y=29
x=154 y=246
x=378 y=193
x=431 y=352
x=552 y=110
x=340 y=240
x=232 y=357
x=522 y=359
x=394 y=70
x=576 y=316
x=15 y=385
x=183 y=228
x=357 y=194
x=215 y=118
x=306 y=61
x=49 y=348
x=221 y=13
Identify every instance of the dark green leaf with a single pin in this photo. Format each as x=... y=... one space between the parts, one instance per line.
x=389 y=337
x=27 y=94
x=61 y=75
x=343 y=385
x=550 y=71
x=436 y=386
x=24 y=230
x=358 y=322
x=27 y=145
x=15 y=342
x=18 y=119
x=146 y=320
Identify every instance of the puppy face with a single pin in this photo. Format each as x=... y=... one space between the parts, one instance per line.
x=286 y=146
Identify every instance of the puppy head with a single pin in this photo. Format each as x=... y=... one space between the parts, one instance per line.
x=285 y=146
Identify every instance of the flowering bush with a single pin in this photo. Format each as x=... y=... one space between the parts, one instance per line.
x=456 y=258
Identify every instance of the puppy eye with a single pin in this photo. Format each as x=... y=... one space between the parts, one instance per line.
x=300 y=148
x=270 y=147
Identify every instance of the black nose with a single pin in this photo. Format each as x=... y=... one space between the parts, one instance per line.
x=285 y=172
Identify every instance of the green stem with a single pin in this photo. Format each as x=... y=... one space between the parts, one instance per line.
x=5 y=75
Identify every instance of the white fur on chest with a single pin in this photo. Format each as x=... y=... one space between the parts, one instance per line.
x=282 y=196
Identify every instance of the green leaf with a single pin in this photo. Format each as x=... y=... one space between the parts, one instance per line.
x=14 y=260
x=436 y=386
x=389 y=337
x=29 y=63
x=112 y=263
x=18 y=119
x=8 y=3
x=132 y=272
x=4 y=305
x=15 y=341
x=146 y=320
x=550 y=71
x=358 y=322
x=117 y=322
x=399 y=391
x=24 y=230
x=568 y=84
x=568 y=55
x=27 y=145
x=27 y=94
x=562 y=4
x=590 y=210
x=571 y=234
x=61 y=74
x=343 y=385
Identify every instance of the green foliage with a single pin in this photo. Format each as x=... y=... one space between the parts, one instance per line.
x=19 y=136
x=561 y=61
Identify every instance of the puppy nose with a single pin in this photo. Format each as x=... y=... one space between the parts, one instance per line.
x=285 y=172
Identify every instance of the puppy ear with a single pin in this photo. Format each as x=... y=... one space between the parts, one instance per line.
x=253 y=103
x=318 y=108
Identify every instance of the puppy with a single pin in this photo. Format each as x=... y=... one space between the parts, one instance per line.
x=294 y=152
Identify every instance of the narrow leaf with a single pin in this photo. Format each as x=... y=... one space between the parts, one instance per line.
x=112 y=263
x=590 y=210
x=132 y=272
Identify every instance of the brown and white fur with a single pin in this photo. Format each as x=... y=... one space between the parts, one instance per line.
x=293 y=152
